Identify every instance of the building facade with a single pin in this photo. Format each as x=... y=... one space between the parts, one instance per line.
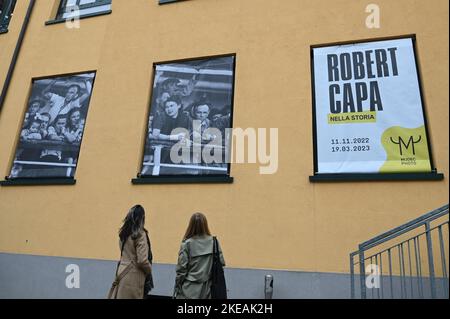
x=285 y=224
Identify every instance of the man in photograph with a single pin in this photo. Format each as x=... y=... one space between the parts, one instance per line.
x=175 y=86
x=74 y=98
x=36 y=106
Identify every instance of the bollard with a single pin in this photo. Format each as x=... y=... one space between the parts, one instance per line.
x=268 y=286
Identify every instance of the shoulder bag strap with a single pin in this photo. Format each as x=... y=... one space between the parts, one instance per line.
x=215 y=247
x=150 y=254
x=121 y=252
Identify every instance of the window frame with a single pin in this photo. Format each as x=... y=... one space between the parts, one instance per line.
x=43 y=181
x=6 y=15
x=63 y=5
x=433 y=175
x=185 y=179
x=168 y=1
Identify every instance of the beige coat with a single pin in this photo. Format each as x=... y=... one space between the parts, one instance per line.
x=134 y=267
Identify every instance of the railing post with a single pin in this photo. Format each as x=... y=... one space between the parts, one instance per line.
x=352 y=277
x=362 y=272
x=157 y=160
x=444 y=264
x=430 y=260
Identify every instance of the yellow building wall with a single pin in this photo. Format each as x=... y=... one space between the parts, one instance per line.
x=279 y=221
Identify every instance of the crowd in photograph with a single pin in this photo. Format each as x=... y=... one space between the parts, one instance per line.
x=177 y=105
x=169 y=113
x=52 y=128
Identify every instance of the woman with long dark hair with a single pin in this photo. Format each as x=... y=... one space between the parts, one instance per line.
x=75 y=126
x=193 y=278
x=134 y=271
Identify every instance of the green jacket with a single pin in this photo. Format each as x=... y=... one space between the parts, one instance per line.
x=193 y=279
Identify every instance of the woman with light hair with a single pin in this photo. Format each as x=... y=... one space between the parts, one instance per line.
x=195 y=259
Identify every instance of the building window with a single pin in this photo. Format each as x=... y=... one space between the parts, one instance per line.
x=369 y=116
x=168 y=1
x=78 y=8
x=53 y=126
x=6 y=12
x=190 y=119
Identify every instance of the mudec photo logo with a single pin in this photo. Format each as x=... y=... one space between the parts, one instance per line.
x=405 y=146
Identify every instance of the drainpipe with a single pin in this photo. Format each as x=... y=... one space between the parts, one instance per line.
x=16 y=54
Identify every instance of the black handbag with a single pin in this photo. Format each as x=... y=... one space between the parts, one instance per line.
x=218 y=286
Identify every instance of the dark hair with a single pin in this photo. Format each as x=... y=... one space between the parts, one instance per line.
x=31 y=121
x=60 y=117
x=133 y=223
x=197 y=105
x=198 y=226
x=174 y=98
x=41 y=103
x=69 y=122
x=76 y=86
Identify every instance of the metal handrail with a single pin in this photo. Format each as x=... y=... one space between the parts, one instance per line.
x=405 y=227
x=406 y=240
x=423 y=220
